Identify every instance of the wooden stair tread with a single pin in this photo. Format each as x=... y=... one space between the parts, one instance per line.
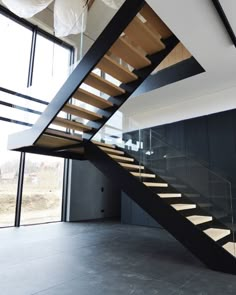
x=217 y=233
x=92 y=99
x=50 y=141
x=111 y=146
x=103 y=85
x=128 y=53
x=131 y=166
x=119 y=72
x=63 y=134
x=146 y=175
x=198 y=219
x=143 y=36
x=125 y=159
x=180 y=207
x=155 y=22
x=71 y=124
x=81 y=112
x=169 y=195
x=111 y=151
x=155 y=184
x=231 y=248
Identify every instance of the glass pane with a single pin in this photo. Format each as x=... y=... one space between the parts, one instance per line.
x=51 y=68
x=42 y=192
x=15 y=54
x=9 y=167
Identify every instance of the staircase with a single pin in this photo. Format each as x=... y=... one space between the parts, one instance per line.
x=65 y=129
x=119 y=52
x=189 y=222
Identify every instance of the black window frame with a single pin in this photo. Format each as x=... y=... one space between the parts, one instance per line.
x=36 y=30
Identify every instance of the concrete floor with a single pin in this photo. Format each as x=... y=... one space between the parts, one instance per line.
x=102 y=258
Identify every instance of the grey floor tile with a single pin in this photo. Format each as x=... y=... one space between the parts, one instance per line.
x=111 y=283
x=210 y=283
x=102 y=258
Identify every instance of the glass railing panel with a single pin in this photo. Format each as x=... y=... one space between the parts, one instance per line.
x=197 y=184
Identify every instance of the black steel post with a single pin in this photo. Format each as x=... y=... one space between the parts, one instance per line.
x=65 y=189
x=20 y=189
x=32 y=56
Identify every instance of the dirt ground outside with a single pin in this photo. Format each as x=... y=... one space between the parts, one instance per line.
x=42 y=196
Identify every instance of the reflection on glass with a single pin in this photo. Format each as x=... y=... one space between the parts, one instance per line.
x=42 y=192
x=194 y=183
x=9 y=167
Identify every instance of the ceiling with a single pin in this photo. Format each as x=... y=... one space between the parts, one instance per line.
x=199 y=27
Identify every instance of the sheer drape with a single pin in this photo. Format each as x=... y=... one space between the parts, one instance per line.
x=26 y=8
x=115 y=4
x=70 y=16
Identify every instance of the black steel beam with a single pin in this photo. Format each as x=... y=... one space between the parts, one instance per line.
x=50 y=152
x=202 y=246
x=225 y=20
x=5 y=119
x=111 y=33
x=30 y=98
x=15 y=106
x=182 y=70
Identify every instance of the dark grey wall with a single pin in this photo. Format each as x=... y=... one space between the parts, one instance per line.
x=210 y=140
x=92 y=195
x=131 y=213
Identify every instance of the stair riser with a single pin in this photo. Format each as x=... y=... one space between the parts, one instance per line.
x=146 y=179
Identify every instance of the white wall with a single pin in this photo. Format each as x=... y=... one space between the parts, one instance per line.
x=190 y=108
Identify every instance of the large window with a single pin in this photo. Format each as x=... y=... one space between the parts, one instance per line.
x=29 y=55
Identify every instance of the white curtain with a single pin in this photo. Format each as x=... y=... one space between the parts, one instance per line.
x=115 y=4
x=26 y=8
x=70 y=17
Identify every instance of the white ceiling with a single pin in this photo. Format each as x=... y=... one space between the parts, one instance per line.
x=197 y=24
x=230 y=11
